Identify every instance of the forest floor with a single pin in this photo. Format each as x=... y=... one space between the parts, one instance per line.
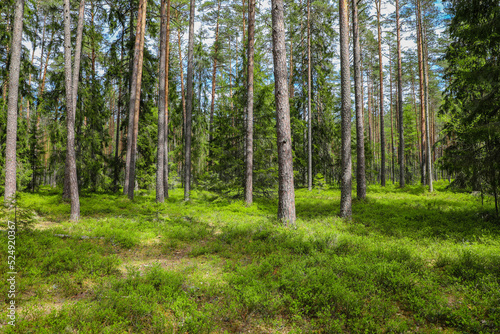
x=410 y=261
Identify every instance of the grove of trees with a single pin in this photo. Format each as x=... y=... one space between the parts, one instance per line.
x=248 y=98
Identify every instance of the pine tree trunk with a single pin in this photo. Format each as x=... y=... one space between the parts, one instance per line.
x=400 y=104
x=160 y=160
x=183 y=95
x=422 y=97
x=5 y=84
x=309 y=113
x=345 y=83
x=14 y=69
x=111 y=123
x=286 y=202
x=231 y=83
x=214 y=77
x=135 y=96
x=133 y=90
x=189 y=103
x=417 y=127
x=392 y=122
x=369 y=107
x=45 y=67
x=358 y=87
x=29 y=85
x=371 y=121
x=70 y=118
x=291 y=90
x=249 y=134
x=167 y=63
x=381 y=99
x=426 y=93
x=119 y=104
x=74 y=85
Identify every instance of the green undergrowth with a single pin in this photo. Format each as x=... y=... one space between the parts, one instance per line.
x=408 y=261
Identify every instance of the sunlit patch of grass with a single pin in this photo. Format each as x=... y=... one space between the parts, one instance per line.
x=408 y=261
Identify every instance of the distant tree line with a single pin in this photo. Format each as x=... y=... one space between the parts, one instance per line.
x=256 y=97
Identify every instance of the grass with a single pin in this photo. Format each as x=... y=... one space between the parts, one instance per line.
x=409 y=261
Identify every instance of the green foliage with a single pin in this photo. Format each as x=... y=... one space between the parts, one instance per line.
x=473 y=91
x=24 y=218
x=409 y=260
x=325 y=109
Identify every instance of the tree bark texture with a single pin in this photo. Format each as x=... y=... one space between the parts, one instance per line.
x=160 y=161
x=426 y=94
x=214 y=77
x=75 y=80
x=249 y=134
x=181 y=70
x=391 y=116
x=14 y=69
x=345 y=83
x=189 y=104
x=358 y=87
x=400 y=104
x=119 y=104
x=422 y=97
x=167 y=63
x=133 y=93
x=309 y=113
x=286 y=202
x=381 y=99
x=70 y=117
x=135 y=97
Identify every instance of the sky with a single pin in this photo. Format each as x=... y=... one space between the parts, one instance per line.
x=388 y=9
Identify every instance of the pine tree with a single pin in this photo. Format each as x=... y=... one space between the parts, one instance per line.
x=358 y=86
x=401 y=153
x=135 y=99
x=14 y=69
x=70 y=117
x=286 y=192
x=189 y=104
x=378 y=4
x=309 y=104
x=346 y=177
x=249 y=130
x=160 y=157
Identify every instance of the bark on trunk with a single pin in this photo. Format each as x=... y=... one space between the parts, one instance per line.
x=291 y=90
x=214 y=77
x=167 y=63
x=381 y=99
x=160 y=161
x=45 y=67
x=422 y=97
x=392 y=122
x=133 y=89
x=345 y=83
x=14 y=69
x=183 y=95
x=426 y=93
x=119 y=104
x=70 y=118
x=135 y=97
x=309 y=118
x=249 y=134
x=189 y=104
x=286 y=203
x=369 y=107
x=358 y=87
x=74 y=83
x=400 y=104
